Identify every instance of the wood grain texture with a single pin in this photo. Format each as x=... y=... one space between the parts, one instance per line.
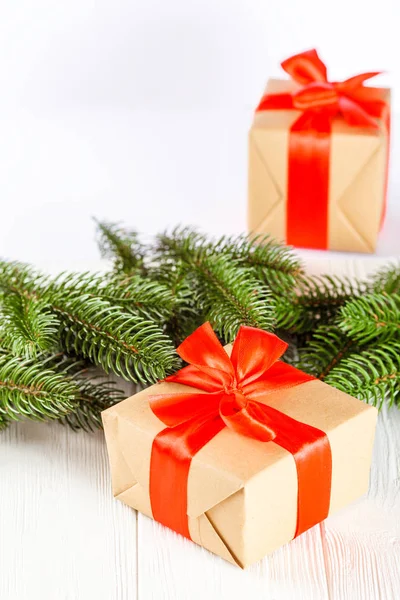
x=64 y=537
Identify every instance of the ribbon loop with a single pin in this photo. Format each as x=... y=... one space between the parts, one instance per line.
x=357 y=80
x=211 y=367
x=254 y=353
x=305 y=67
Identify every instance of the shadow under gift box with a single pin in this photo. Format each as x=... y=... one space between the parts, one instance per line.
x=242 y=493
x=357 y=181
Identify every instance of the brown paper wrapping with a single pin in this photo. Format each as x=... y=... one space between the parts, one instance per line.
x=242 y=493
x=356 y=185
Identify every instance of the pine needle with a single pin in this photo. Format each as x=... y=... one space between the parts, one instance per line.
x=372 y=316
x=225 y=293
x=122 y=246
x=33 y=390
x=53 y=387
x=387 y=280
x=133 y=293
x=314 y=301
x=27 y=327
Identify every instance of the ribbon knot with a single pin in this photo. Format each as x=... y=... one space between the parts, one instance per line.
x=317 y=96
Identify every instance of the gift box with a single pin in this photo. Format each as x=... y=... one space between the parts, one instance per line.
x=239 y=451
x=318 y=159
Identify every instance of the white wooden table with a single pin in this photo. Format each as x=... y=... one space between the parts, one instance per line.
x=64 y=537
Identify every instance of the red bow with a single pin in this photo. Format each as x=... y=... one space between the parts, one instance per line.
x=231 y=390
x=232 y=384
x=320 y=102
x=359 y=106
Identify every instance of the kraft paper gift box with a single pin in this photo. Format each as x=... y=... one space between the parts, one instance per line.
x=242 y=493
x=350 y=216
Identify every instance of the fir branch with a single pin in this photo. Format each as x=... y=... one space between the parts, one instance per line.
x=95 y=393
x=315 y=301
x=22 y=279
x=366 y=371
x=122 y=246
x=53 y=387
x=185 y=316
x=27 y=326
x=135 y=294
x=344 y=333
x=268 y=260
x=260 y=251
x=127 y=344
x=372 y=374
x=326 y=349
x=31 y=389
x=374 y=315
x=90 y=401
x=230 y=297
x=225 y=293
x=184 y=245
x=387 y=280
x=4 y=422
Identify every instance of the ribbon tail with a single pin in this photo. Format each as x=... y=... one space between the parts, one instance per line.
x=308 y=174
x=311 y=451
x=357 y=80
x=171 y=456
x=355 y=115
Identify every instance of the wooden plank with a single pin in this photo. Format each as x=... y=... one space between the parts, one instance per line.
x=363 y=540
x=62 y=534
x=171 y=567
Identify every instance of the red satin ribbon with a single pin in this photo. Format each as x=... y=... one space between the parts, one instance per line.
x=233 y=387
x=309 y=143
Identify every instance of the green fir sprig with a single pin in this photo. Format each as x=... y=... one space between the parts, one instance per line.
x=315 y=300
x=127 y=344
x=27 y=326
x=133 y=293
x=31 y=389
x=59 y=335
x=122 y=246
x=372 y=316
x=224 y=291
x=53 y=387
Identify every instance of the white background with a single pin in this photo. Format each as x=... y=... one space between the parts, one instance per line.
x=138 y=111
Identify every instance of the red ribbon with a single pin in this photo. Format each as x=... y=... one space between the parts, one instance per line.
x=320 y=101
x=233 y=387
